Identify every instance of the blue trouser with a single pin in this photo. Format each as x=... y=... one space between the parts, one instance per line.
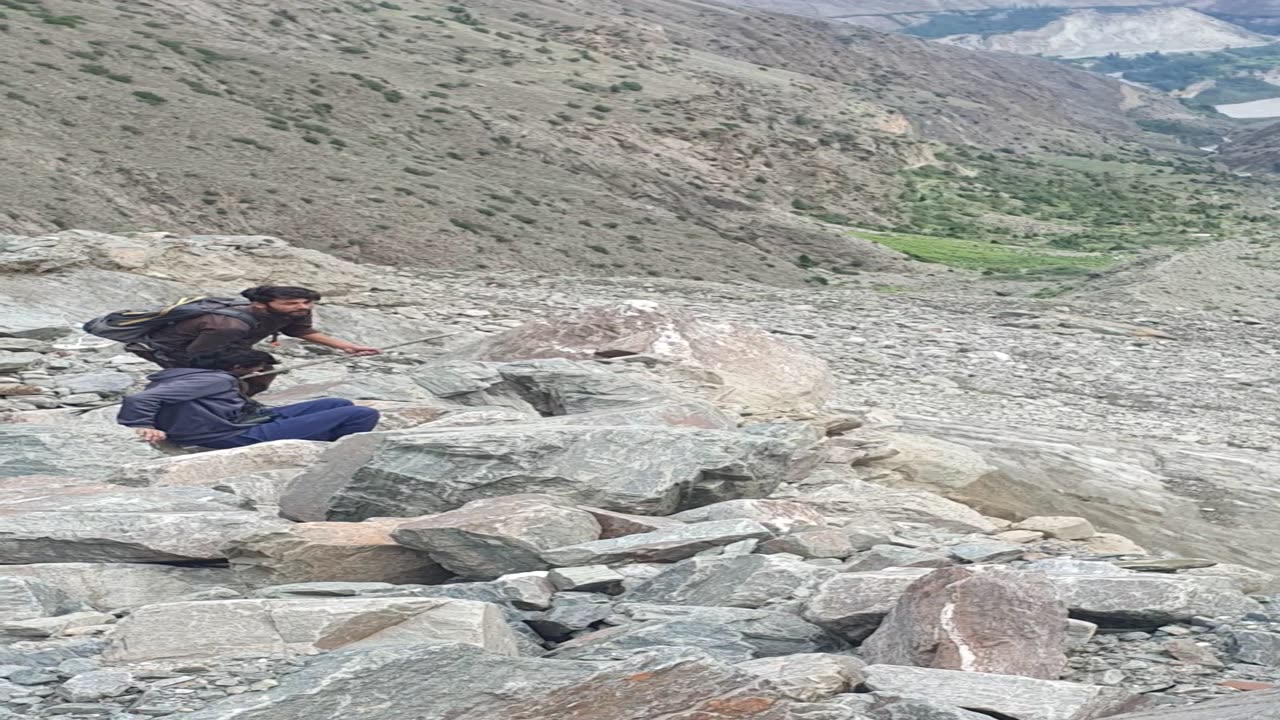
x=327 y=419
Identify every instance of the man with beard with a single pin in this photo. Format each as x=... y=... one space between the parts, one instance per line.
x=272 y=310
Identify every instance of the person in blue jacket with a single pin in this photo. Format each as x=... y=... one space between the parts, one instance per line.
x=204 y=405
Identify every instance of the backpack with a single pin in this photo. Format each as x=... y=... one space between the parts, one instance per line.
x=131 y=326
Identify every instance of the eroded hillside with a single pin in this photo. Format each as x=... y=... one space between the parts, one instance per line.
x=663 y=137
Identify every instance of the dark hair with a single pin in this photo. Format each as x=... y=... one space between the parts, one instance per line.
x=267 y=293
x=228 y=359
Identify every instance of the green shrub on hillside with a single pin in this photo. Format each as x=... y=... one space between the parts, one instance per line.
x=149 y=97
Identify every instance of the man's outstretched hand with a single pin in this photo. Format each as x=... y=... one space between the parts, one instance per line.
x=151 y=435
x=361 y=350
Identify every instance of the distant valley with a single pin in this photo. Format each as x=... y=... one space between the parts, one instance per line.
x=1058 y=28
x=1222 y=56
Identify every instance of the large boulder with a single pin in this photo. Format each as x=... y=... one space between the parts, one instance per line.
x=208 y=469
x=1005 y=696
x=852 y=605
x=1150 y=600
x=745 y=366
x=456 y=682
x=60 y=520
x=81 y=449
x=114 y=586
x=486 y=539
x=318 y=552
x=640 y=469
x=1147 y=491
x=666 y=545
x=560 y=388
x=263 y=628
x=748 y=581
x=988 y=619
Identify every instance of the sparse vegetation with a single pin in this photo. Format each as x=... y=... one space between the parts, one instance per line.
x=251 y=143
x=458 y=140
x=149 y=97
x=199 y=87
x=466 y=225
x=972 y=255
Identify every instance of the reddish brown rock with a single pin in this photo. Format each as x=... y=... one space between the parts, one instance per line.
x=332 y=551
x=1247 y=685
x=986 y=618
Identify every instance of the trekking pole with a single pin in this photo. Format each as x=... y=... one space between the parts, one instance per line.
x=342 y=358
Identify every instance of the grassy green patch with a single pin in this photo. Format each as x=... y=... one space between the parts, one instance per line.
x=1180 y=70
x=985 y=256
x=1109 y=202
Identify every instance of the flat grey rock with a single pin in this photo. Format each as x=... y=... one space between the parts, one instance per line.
x=264 y=628
x=1008 y=696
x=629 y=469
x=1150 y=600
x=748 y=581
x=69 y=521
x=666 y=545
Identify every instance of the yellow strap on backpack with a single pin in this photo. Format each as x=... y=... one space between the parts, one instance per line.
x=148 y=315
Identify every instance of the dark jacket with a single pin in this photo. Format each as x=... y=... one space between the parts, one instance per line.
x=177 y=344
x=190 y=405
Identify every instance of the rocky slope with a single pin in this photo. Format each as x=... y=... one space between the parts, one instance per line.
x=598 y=501
x=1089 y=33
x=658 y=138
x=1257 y=149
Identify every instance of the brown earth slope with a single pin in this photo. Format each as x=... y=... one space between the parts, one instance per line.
x=659 y=137
x=1255 y=150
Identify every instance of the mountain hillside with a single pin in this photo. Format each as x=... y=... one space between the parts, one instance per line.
x=1257 y=150
x=894 y=15
x=1257 y=15
x=1091 y=33
x=663 y=137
